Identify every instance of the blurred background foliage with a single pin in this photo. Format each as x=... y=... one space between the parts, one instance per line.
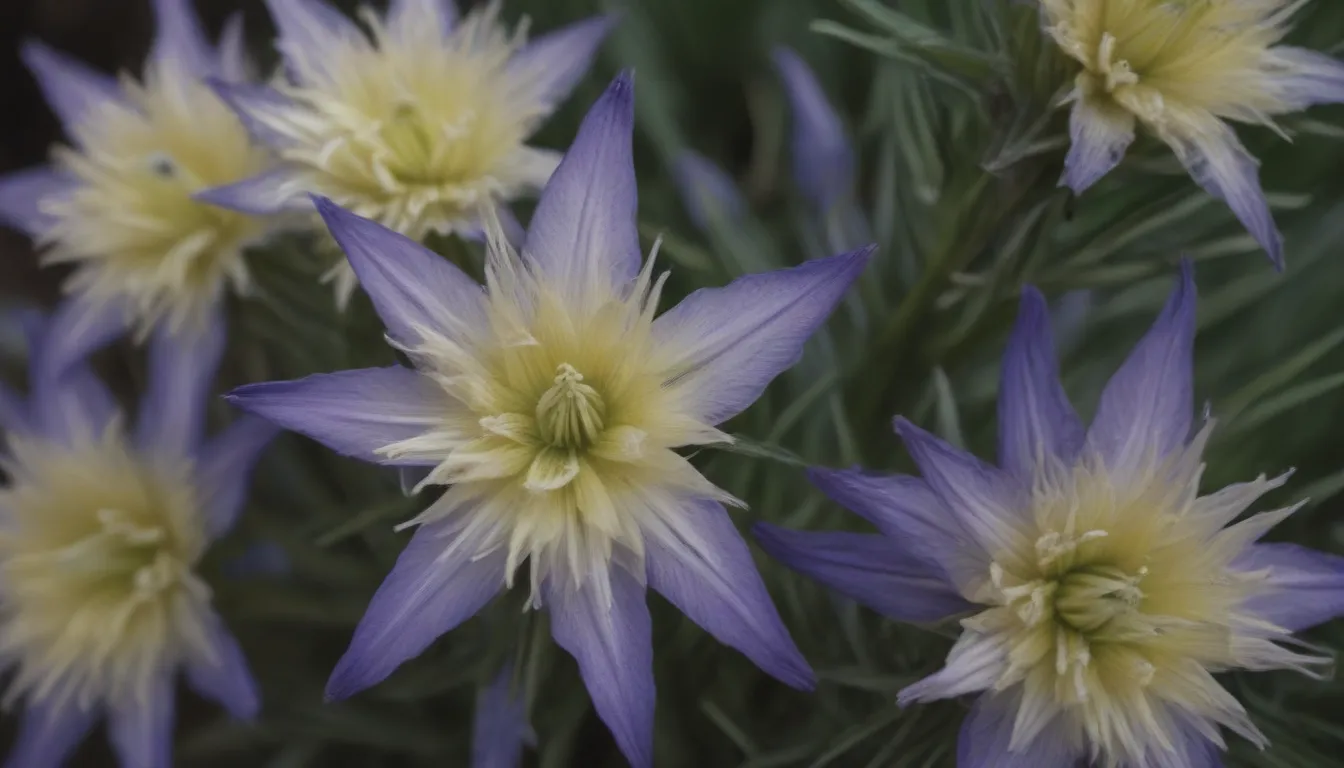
x=949 y=106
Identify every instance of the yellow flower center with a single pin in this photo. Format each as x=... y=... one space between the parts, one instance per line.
x=570 y=414
x=1090 y=598
x=131 y=226
x=414 y=132
x=97 y=588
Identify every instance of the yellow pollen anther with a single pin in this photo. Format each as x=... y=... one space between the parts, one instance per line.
x=570 y=414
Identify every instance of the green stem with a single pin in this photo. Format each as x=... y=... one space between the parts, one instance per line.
x=973 y=227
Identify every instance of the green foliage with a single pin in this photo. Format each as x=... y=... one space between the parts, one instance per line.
x=951 y=106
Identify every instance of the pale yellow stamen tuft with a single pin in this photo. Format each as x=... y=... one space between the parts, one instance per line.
x=131 y=227
x=570 y=414
x=97 y=587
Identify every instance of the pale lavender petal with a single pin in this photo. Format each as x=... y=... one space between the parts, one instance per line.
x=1305 y=587
x=704 y=568
x=24 y=194
x=823 y=161
x=1220 y=164
x=182 y=367
x=1146 y=409
x=74 y=405
x=141 y=731
x=988 y=730
x=257 y=107
x=181 y=41
x=405 y=18
x=1037 y=425
x=70 y=87
x=78 y=328
x=13 y=410
x=726 y=344
x=499 y=729
x=66 y=398
x=275 y=191
x=912 y=517
x=1192 y=749
x=225 y=677
x=224 y=469
x=352 y=412
x=549 y=67
x=613 y=645
x=234 y=64
x=1100 y=133
x=1305 y=77
x=583 y=232
x=409 y=284
x=867 y=568
x=988 y=503
x=708 y=193
x=308 y=31
x=429 y=592
x=47 y=736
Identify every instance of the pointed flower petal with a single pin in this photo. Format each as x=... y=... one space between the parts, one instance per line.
x=1100 y=133
x=499 y=729
x=914 y=519
x=182 y=368
x=866 y=568
x=1146 y=409
x=704 y=568
x=408 y=18
x=258 y=107
x=71 y=88
x=988 y=730
x=708 y=193
x=224 y=469
x=1307 y=77
x=1036 y=422
x=583 y=235
x=275 y=191
x=47 y=736
x=141 y=730
x=409 y=284
x=1305 y=587
x=352 y=412
x=823 y=162
x=985 y=500
x=308 y=31
x=1220 y=164
x=613 y=645
x=180 y=41
x=726 y=344
x=225 y=676
x=234 y=65
x=430 y=591
x=549 y=67
x=24 y=194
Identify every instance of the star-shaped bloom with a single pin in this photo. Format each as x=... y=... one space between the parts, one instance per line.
x=418 y=125
x=1181 y=69
x=100 y=603
x=1100 y=592
x=551 y=403
x=118 y=202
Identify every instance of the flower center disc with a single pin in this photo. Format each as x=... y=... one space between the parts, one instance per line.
x=571 y=414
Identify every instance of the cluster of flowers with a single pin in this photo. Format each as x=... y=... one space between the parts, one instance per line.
x=1097 y=591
